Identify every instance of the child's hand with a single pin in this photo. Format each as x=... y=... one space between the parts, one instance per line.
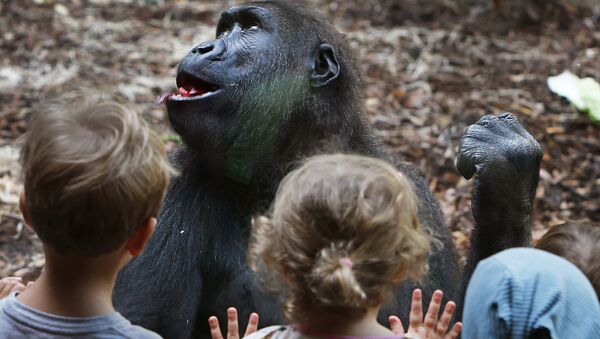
x=9 y=285
x=430 y=327
x=232 y=325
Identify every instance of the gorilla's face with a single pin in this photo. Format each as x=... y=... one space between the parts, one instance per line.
x=215 y=77
x=236 y=93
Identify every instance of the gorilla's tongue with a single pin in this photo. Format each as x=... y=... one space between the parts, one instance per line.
x=181 y=93
x=191 y=92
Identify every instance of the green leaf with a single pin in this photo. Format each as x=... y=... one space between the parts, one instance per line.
x=582 y=93
x=590 y=94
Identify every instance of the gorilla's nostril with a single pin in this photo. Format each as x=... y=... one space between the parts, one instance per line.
x=212 y=50
x=202 y=49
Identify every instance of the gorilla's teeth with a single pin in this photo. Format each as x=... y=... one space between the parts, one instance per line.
x=183 y=92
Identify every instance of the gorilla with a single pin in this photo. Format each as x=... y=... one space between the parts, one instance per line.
x=277 y=84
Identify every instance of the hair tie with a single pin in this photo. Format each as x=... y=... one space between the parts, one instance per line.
x=346 y=261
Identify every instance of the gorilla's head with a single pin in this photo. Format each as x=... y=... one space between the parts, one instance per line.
x=276 y=79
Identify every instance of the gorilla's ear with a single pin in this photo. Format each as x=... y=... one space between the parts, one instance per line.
x=326 y=67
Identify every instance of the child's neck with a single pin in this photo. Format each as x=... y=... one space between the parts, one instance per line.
x=367 y=326
x=74 y=286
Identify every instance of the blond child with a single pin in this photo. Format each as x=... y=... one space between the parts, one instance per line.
x=94 y=177
x=342 y=232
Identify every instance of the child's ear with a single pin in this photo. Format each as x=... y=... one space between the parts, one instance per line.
x=24 y=210
x=138 y=240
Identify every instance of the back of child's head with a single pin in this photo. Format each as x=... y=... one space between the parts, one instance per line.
x=579 y=243
x=93 y=172
x=342 y=231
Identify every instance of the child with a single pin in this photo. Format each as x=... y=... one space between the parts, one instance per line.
x=94 y=176
x=579 y=243
x=342 y=233
x=530 y=294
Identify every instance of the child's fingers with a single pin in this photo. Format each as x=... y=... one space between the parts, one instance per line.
x=442 y=325
x=396 y=325
x=6 y=283
x=454 y=332
x=431 y=317
x=9 y=285
x=252 y=324
x=215 y=330
x=232 y=323
x=8 y=279
x=416 y=309
x=4 y=289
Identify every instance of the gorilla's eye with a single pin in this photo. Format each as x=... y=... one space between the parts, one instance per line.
x=250 y=22
x=250 y=26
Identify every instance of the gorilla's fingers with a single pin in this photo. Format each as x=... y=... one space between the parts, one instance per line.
x=514 y=123
x=464 y=163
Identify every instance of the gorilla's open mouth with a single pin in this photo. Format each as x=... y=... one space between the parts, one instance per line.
x=190 y=87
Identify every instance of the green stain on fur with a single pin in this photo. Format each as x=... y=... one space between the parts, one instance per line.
x=264 y=111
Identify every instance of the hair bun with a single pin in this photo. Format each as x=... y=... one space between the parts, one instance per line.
x=333 y=280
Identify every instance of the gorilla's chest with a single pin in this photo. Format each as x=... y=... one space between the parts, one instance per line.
x=215 y=222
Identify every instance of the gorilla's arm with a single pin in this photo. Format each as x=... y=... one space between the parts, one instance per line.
x=505 y=160
x=161 y=289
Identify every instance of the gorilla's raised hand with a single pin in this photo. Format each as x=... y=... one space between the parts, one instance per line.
x=505 y=160
x=499 y=148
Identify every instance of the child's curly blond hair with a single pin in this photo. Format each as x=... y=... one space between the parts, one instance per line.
x=343 y=230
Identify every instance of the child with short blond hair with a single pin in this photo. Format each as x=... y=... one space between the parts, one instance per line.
x=342 y=232
x=94 y=176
